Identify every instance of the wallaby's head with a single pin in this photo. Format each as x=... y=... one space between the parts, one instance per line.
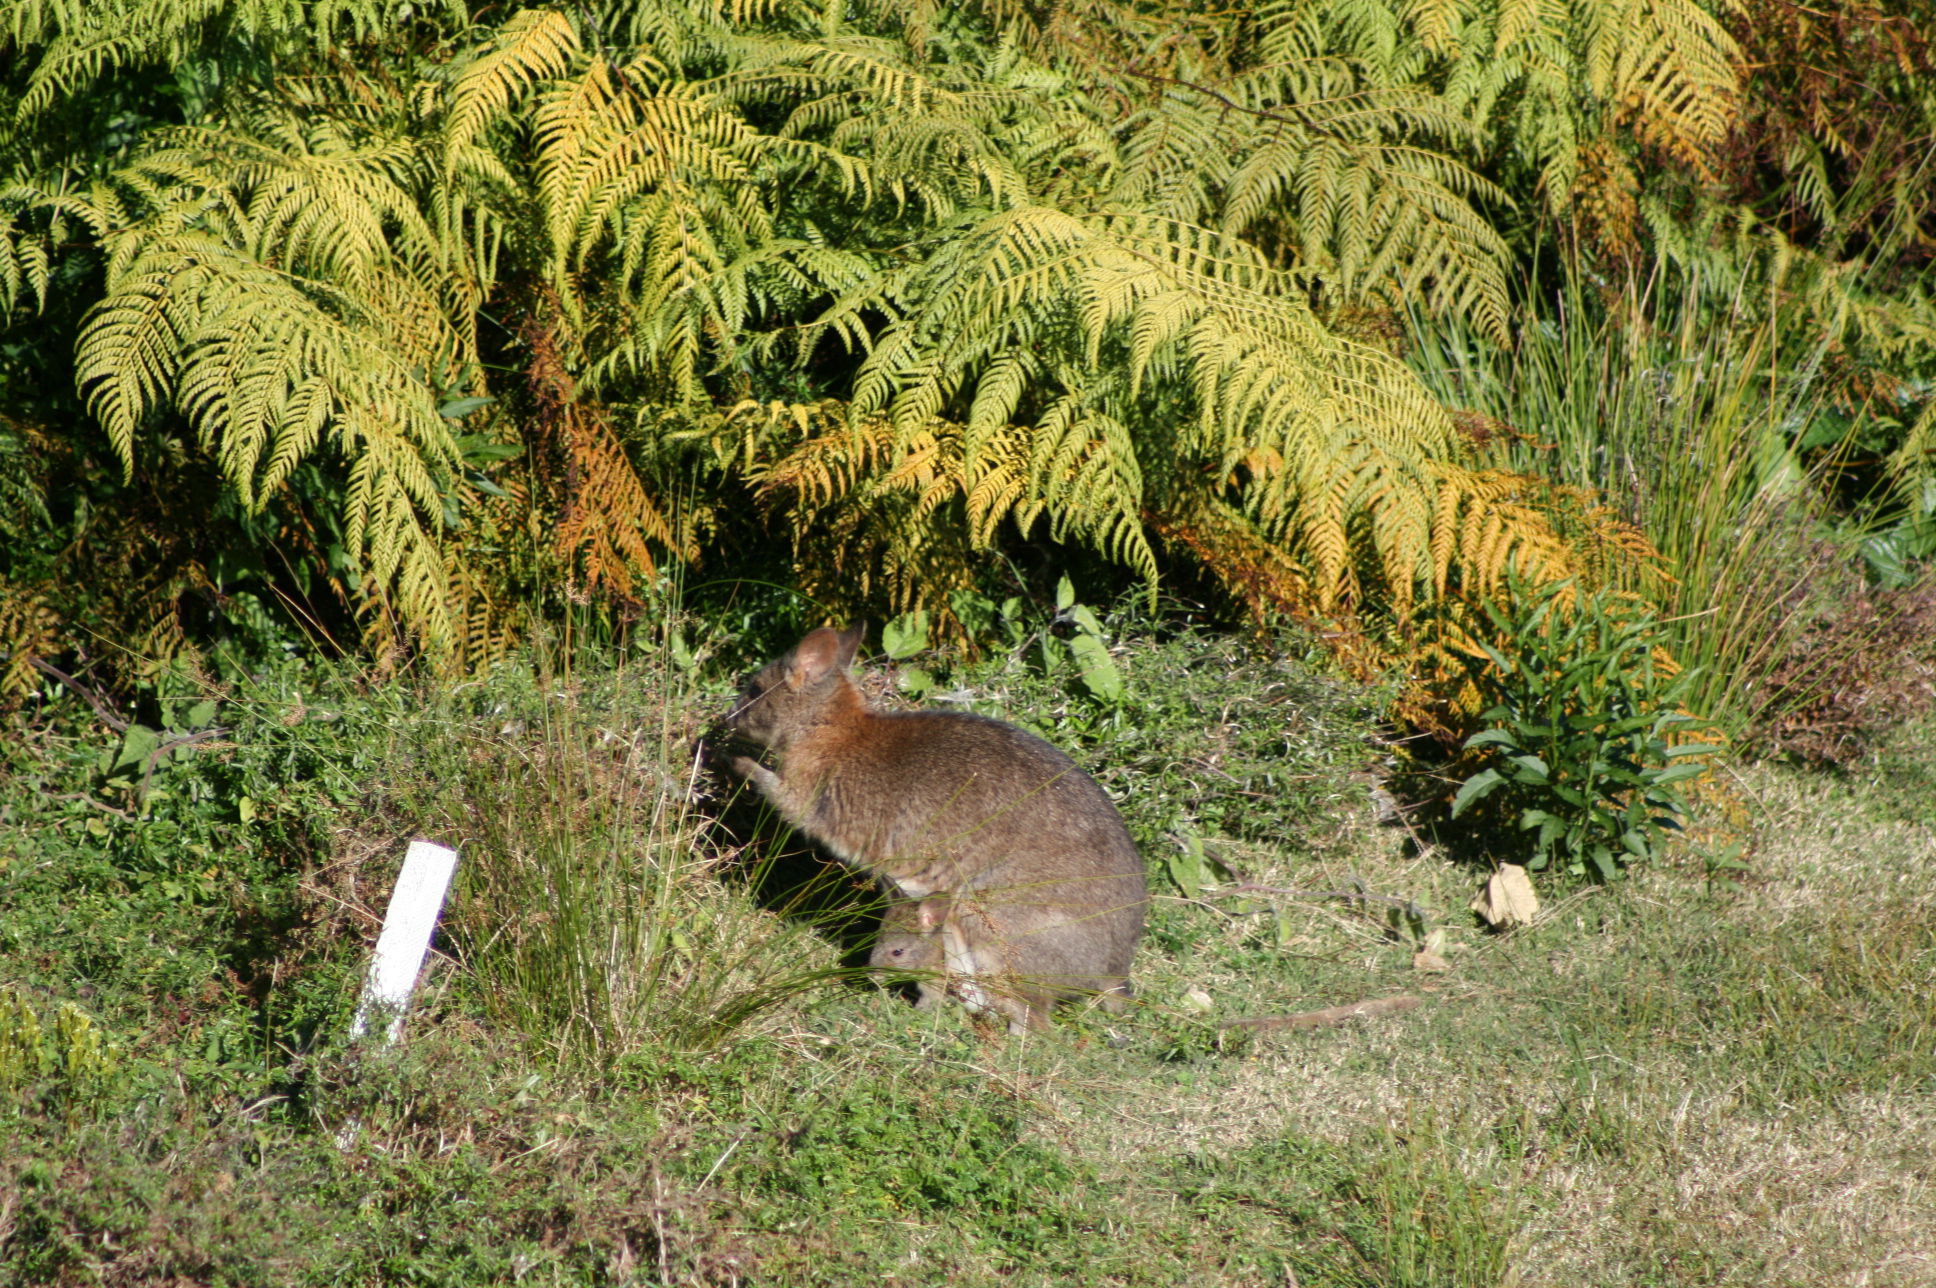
x=909 y=937
x=798 y=691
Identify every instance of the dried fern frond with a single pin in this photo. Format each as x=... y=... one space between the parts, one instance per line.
x=608 y=521
x=29 y=629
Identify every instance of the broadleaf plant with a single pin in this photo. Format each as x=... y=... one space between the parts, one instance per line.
x=1583 y=754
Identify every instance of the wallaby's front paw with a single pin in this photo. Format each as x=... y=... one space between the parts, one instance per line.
x=758 y=776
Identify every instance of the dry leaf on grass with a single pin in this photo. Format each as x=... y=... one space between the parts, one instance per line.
x=1507 y=899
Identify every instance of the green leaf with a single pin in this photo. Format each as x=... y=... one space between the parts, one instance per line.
x=975 y=611
x=1476 y=788
x=1099 y=673
x=458 y=408
x=479 y=449
x=1888 y=561
x=137 y=744
x=905 y=635
x=1065 y=593
x=1187 y=866
x=1531 y=769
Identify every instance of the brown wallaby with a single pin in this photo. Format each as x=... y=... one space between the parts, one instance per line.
x=1041 y=894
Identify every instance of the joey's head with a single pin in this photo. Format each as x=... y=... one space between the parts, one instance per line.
x=798 y=691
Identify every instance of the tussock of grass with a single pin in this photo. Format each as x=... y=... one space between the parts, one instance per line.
x=642 y=1063
x=594 y=912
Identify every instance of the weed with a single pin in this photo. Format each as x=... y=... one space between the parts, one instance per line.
x=590 y=911
x=1676 y=404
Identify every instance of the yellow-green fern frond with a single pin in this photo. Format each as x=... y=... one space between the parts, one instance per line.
x=25 y=267
x=73 y=43
x=535 y=45
x=280 y=300
x=1331 y=446
x=28 y=630
x=1913 y=465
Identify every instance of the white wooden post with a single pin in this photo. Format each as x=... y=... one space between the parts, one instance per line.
x=407 y=927
x=400 y=948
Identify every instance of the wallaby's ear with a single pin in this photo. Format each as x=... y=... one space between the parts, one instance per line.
x=928 y=915
x=850 y=644
x=822 y=653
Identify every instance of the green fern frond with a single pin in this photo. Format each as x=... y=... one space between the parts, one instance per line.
x=26 y=266
x=72 y=45
x=282 y=300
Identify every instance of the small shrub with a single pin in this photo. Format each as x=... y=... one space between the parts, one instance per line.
x=1578 y=753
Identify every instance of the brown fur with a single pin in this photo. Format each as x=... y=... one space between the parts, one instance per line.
x=1042 y=892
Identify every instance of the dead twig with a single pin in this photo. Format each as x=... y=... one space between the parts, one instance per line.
x=1329 y=1015
x=85 y=799
x=114 y=722
x=162 y=749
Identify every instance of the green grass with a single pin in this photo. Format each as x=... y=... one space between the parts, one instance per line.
x=641 y=1060
x=1711 y=428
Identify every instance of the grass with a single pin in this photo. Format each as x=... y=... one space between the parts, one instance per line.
x=642 y=1060
x=1679 y=404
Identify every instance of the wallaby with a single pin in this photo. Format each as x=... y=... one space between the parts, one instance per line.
x=1042 y=893
x=1014 y=975
x=909 y=941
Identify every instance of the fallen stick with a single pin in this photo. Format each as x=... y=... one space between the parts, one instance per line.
x=1329 y=1015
